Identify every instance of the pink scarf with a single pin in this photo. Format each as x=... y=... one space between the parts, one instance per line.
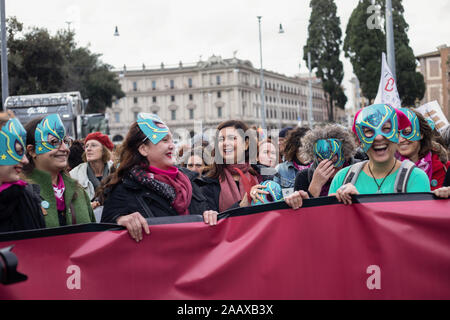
x=181 y=184
x=6 y=185
x=59 y=194
x=425 y=164
x=229 y=192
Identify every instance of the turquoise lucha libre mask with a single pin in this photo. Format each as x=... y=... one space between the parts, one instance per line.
x=50 y=125
x=12 y=143
x=152 y=126
x=275 y=193
x=374 y=117
x=327 y=149
x=414 y=135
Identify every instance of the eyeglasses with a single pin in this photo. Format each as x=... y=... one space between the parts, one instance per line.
x=57 y=143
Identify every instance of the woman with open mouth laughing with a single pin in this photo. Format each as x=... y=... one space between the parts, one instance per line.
x=377 y=128
x=19 y=205
x=64 y=202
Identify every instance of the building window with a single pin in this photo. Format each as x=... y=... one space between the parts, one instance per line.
x=134 y=86
x=219 y=112
x=154 y=99
x=117 y=117
x=219 y=94
x=218 y=80
x=135 y=114
x=135 y=100
x=191 y=97
x=173 y=114
x=190 y=82
x=153 y=85
x=191 y=114
x=172 y=84
x=172 y=98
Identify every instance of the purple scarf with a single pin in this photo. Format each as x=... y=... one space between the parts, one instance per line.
x=425 y=164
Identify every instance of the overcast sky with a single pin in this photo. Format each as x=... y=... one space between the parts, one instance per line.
x=155 y=31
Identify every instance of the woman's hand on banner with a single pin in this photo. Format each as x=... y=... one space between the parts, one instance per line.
x=344 y=193
x=295 y=200
x=210 y=217
x=443 y=192
x=134 y=223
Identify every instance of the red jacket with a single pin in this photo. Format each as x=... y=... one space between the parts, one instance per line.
x=439 y=172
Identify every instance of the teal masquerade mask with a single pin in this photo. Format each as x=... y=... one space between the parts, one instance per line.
x=152 y=126
x=51 y=125
x=414 y=133
x=369 y=124
x=12 y=143
x=275 y=193
x=327 y=149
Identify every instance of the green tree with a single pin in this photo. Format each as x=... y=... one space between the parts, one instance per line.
x=324 y=44
x=364 y=46
x=410 y=83
x=41 y=63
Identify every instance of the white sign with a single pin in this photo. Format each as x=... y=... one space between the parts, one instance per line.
x=433 y=111
x=387 y=90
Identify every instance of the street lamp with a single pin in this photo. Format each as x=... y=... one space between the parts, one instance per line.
x=263 y=106
x=5 y=83
x=116 y=32
x=390 y=38
x=310 y=102
x=263 y=101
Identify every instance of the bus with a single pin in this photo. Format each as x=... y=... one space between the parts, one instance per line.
x=69 y=105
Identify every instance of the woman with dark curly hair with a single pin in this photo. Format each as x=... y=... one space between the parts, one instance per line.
x=287 y=171
x=331 y=149
x=418 y=144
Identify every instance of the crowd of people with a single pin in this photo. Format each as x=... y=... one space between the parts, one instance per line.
x=47 y=180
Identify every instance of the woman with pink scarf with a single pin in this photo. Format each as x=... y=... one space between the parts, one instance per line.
x=231 y=182
x=19 y=205
x=418 y=145
x=147 y=184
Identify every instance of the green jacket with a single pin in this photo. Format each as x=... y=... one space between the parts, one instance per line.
x=75 y=198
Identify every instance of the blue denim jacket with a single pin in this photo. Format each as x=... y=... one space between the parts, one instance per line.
x=286 y=174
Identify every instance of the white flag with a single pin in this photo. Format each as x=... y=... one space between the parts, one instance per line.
x=387 y=90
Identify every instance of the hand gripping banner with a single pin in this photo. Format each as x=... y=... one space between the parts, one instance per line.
x=382 y=247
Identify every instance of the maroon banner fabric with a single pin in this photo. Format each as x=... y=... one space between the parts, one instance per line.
x=373 y=250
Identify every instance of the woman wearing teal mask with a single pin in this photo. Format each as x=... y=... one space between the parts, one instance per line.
x=331 y=148
x=418 y=145
x=64 y=202
x=19 y=205
x=147 y=183
x=377 y=128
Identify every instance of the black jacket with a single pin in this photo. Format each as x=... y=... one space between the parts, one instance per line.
x=211 y=191
x=129 y=197
x=304 y=177
x=20 y=209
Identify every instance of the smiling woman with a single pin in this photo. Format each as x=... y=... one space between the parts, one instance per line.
x=377 y=128
x=147 y=184
x=64 y=201
x=19 y=205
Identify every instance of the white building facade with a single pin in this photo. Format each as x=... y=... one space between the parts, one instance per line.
x=213 y=91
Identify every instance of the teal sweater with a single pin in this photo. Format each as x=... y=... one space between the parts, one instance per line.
x=74 y=196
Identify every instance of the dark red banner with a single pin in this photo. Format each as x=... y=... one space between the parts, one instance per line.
x=384 y=247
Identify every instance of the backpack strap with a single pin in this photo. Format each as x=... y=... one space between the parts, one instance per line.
x=353 y=173
x=401 y=181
